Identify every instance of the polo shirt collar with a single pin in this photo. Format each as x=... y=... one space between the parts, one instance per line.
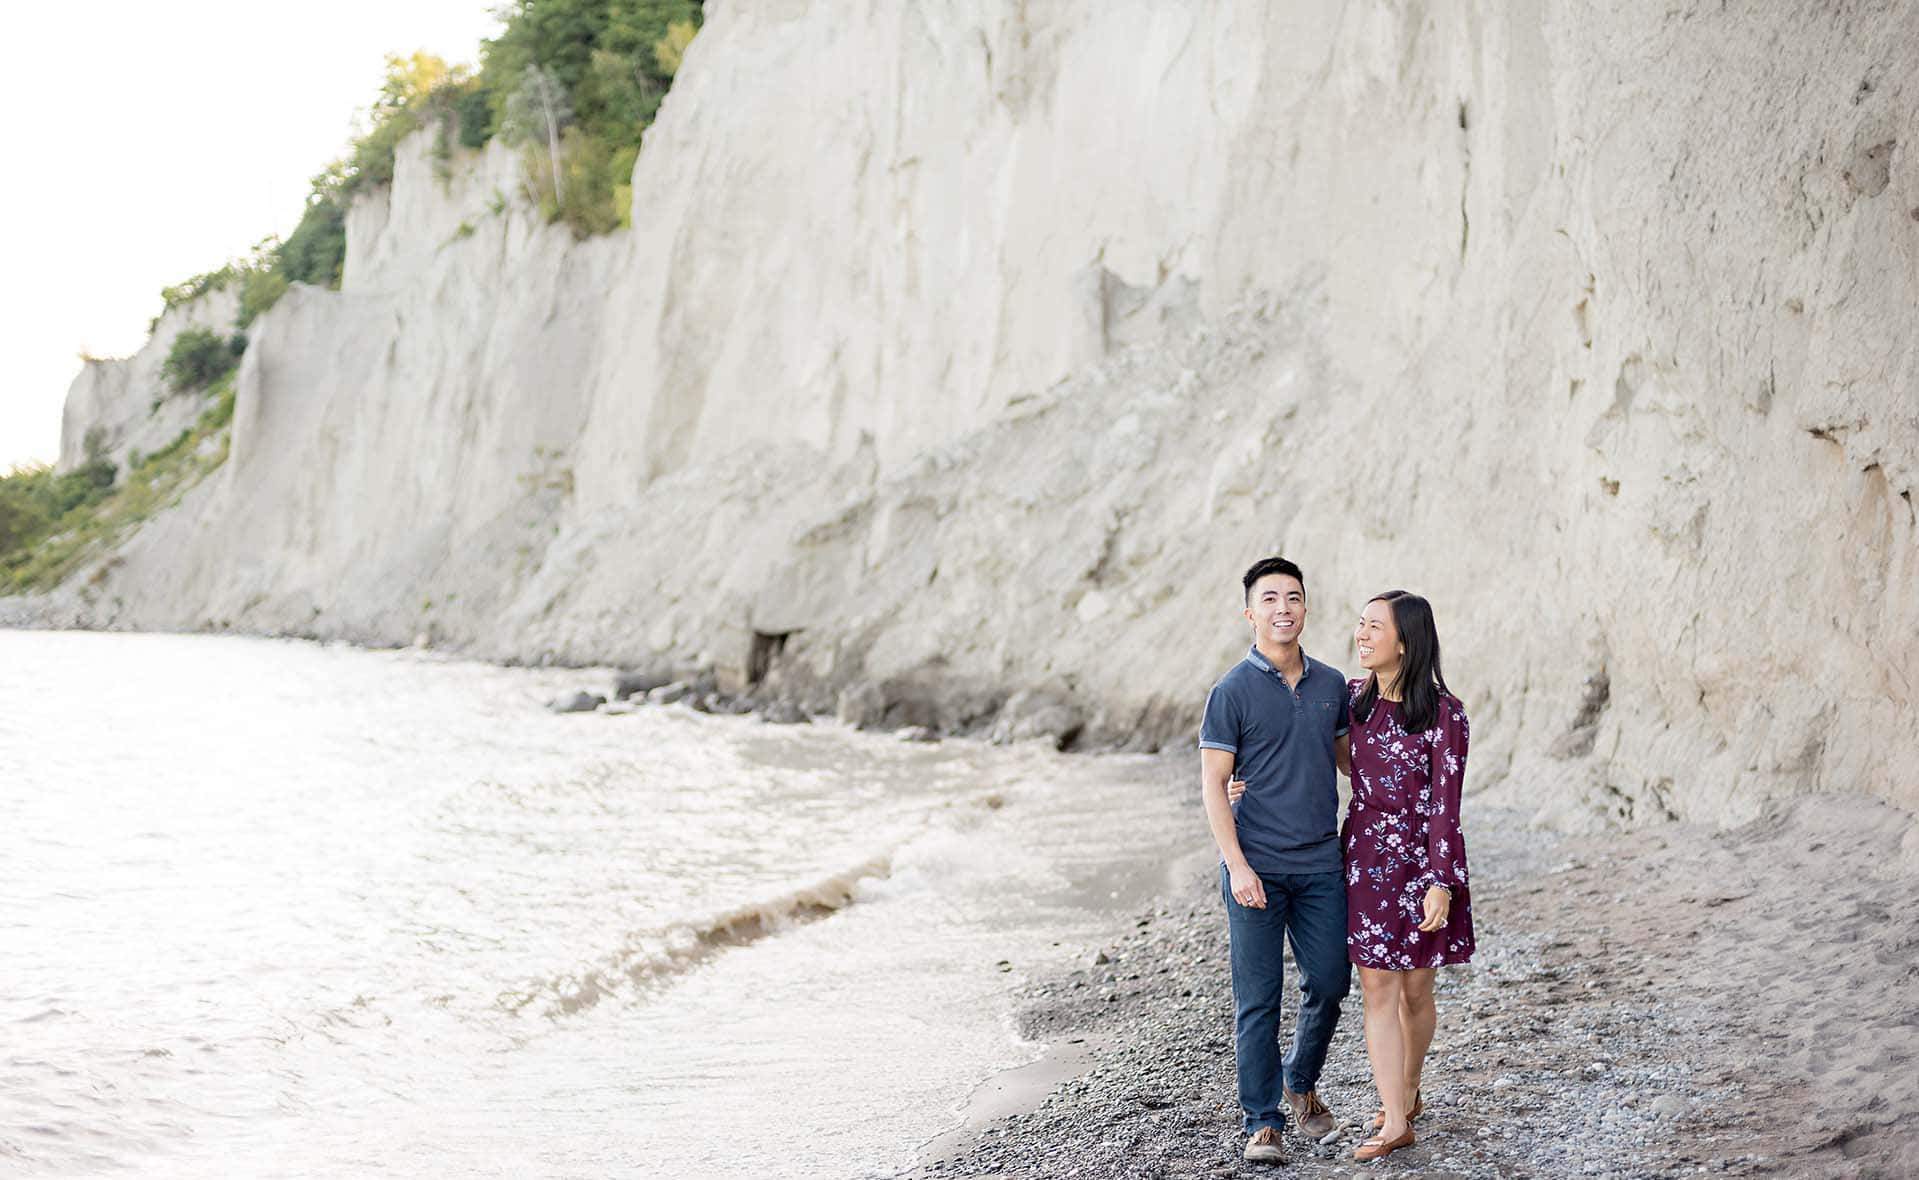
x=1258 y=661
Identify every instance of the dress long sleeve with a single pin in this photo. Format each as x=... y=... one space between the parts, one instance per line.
x=1445 y=847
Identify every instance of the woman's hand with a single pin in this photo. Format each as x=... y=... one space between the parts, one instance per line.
x=1439 y=904
x=1234 y=789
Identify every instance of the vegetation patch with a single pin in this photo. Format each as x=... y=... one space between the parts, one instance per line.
x=50 y=523
x=573 y=84
x=198 y=358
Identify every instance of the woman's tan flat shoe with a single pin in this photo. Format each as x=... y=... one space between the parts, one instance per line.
x=1375 y=1147
x=1379 y=1116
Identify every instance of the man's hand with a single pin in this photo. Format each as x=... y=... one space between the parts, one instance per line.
x=1248 y=889
x=1439 y=904
x=1215 y=771
x=1234 y=789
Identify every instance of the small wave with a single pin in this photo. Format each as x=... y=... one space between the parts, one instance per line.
x=650 y=960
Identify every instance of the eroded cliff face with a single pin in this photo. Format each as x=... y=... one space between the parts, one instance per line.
x=968 y=352
x=126 y=403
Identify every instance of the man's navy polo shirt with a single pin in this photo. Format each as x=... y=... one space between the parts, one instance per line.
x=1281 y=740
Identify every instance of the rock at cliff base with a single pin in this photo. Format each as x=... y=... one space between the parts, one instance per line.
x=577 y=702
x=784 y=713
x=628 y=684
x=1033 y=715
x=862 y=705
x=669 y=694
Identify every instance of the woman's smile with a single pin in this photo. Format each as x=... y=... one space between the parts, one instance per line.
x=1377 y=640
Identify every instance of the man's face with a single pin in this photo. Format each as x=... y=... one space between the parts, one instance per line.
x=1277 y=609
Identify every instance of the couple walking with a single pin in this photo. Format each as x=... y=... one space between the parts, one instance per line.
x=1387 y=894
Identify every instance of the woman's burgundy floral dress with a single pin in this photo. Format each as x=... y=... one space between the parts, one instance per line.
x=1402 y=836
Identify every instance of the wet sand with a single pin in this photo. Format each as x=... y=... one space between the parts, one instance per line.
x=1671 y=1001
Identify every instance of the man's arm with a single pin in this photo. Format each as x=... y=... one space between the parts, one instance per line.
x=1343 y=754
x=1215 y=767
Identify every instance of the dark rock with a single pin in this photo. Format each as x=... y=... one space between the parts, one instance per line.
x=668 y=694
x=861 y=705
x=1037 y=714
x=628 y=684
x=784 y=713
x=578 y=702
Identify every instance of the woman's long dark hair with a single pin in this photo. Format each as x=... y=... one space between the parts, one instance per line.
x=1419 y=681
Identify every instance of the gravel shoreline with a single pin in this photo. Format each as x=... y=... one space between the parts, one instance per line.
x=1668 y=1002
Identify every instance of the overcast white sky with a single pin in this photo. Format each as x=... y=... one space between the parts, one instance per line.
x=150 y=141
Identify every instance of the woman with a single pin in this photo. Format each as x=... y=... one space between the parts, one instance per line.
x=1407 y=910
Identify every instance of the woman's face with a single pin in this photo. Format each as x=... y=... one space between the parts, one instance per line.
x=1377 y=639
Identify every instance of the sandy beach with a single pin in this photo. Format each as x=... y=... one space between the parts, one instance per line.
x=1671 y=1001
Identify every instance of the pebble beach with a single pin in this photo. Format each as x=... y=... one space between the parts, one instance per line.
x=1671 y=1001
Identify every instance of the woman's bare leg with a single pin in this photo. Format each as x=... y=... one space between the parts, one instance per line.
x=1417 y=1018
x=1386 y=1046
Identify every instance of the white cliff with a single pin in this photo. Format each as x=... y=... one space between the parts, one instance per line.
x=974 y=349
x=126 y=402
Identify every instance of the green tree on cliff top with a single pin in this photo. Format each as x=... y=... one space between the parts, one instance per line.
x=604 y=66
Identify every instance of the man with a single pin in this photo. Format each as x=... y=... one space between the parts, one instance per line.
x=1278 y=720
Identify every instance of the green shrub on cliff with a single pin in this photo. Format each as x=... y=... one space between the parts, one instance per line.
x=50 y=523
x=603 y=52
x=197 y=359
x=669 y=49
x=600 y=175
x=314 y=251
x=200 y=284
x=473 y=113
x=33 y=499
x=578 y=82
x=604 y=65
x=26 y=509
x=260 y=277
x=259 y=290
x=420 y=90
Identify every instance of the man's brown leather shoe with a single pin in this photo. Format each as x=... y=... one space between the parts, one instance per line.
x=1263 y=1147
x=1309 y=1113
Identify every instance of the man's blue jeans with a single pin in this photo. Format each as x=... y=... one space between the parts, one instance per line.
x=1311 y=909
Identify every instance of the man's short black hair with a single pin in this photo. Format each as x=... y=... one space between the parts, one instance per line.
x=1271 y=565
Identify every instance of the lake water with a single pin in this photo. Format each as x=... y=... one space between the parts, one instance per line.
x=276 y=909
